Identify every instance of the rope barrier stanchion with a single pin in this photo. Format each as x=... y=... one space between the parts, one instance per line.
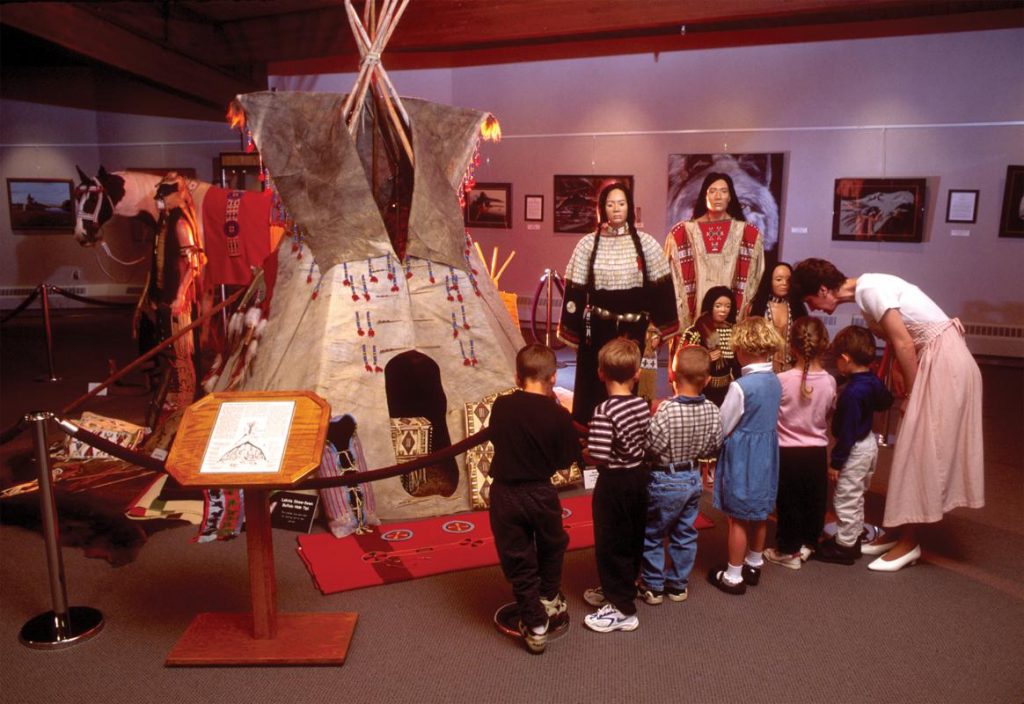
x=48 y=330
x=91 y=301
x=64 y=626
x=22 y=306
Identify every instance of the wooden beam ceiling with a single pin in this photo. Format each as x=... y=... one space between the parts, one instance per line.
x=211 y=50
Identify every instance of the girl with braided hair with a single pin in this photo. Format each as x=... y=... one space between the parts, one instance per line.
x=617 y=283
x=808 y=397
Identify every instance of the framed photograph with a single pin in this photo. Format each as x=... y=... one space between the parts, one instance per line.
x=489 y=205
x=533 y=208
x=879 y=209
x=758 y=182
x=41 y=204
x=1011 y=224
x=962 y=206
x=576 y=201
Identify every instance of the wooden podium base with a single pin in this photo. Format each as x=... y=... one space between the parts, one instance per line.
x=227 y=639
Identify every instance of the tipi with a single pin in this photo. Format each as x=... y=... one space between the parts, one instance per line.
x=381 y=306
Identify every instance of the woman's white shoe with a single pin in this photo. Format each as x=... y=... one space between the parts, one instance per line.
x=877 y=548
x=883 y=565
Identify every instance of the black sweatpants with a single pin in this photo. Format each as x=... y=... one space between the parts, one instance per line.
x=620 y=517
x=526 y=520
x=802 y=498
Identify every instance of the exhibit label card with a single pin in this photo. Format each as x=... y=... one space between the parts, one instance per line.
x=248 y=437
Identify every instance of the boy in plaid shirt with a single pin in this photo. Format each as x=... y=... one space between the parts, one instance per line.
x=685 y=428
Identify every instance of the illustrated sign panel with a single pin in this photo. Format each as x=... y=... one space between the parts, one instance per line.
x=248 y=437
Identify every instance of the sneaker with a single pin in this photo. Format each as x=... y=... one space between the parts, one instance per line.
x=676 y=594
x=805 y=552
x=555 y=606
x=595 y=597
x=791 y=560
x=535 y=642
x=608 y=619
x=650 y=596
x=751 y=574
x=717 y=578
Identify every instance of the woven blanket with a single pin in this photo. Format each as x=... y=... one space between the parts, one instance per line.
x=399 y=551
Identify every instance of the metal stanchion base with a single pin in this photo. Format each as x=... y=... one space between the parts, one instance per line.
x=83 y=622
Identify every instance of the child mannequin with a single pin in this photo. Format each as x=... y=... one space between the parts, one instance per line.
x=748 y=467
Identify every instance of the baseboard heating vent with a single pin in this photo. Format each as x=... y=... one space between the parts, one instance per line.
x=19 y=291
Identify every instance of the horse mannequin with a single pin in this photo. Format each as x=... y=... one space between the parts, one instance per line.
x=129 y=194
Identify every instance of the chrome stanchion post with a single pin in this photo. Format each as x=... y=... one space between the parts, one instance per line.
x=49 y=334
x=547 y=330
x=63 y=626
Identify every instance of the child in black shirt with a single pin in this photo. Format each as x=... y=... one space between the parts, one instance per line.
x=533 y=437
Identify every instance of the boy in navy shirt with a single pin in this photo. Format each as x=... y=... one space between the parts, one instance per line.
x=856 y=451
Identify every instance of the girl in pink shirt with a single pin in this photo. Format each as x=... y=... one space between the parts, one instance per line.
x=808 y=397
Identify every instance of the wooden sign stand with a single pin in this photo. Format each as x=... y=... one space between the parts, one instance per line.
x=262 y=637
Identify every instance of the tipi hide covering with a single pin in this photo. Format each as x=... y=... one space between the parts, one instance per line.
x=370 y=307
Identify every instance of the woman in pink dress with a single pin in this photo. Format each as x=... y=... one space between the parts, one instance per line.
x=938 y=463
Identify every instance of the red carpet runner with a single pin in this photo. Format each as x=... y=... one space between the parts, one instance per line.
x=401 y=551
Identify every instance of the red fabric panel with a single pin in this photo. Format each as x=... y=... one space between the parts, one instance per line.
x=368 y=560
x=254 y=236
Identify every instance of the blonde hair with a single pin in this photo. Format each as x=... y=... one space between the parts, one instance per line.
x=757 y=337
x=619 y=359
x=692 y=363
x=809 y=340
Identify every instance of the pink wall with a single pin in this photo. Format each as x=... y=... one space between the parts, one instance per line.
x=946 y=107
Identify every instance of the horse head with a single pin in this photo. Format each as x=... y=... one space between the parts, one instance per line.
x=95 y=200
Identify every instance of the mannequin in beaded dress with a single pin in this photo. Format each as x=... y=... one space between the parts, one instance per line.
x=775 y=301
x=617 y=283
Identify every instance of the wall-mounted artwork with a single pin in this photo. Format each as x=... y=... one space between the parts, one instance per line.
x=489 y=205
x=533 y=208
x=576 y=200
x=1011 y=224
x=758 y=182
x=878 y=209
x=40 y=205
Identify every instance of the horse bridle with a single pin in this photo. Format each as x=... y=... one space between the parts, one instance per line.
x=83 y=192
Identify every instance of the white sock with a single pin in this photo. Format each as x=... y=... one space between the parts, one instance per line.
x=754 y=559
x=734 y=574
x=539 y=630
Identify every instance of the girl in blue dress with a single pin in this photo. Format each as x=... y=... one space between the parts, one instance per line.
x=748 y=466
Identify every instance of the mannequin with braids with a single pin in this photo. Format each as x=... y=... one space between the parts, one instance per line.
x=617 y=283
x=808 y=397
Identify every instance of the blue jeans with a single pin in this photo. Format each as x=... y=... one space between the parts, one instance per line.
x=672 y=505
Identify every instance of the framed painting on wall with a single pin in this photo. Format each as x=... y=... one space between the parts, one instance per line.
x=489 y=205
x=1011 y=224
x=878 y=209
x=41 y=205
x=576 y=200
x=758 y=182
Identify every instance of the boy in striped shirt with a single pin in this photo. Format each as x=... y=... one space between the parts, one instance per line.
x=616 y=443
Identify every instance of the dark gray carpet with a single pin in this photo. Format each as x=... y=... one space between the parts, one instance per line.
x=950 y=629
